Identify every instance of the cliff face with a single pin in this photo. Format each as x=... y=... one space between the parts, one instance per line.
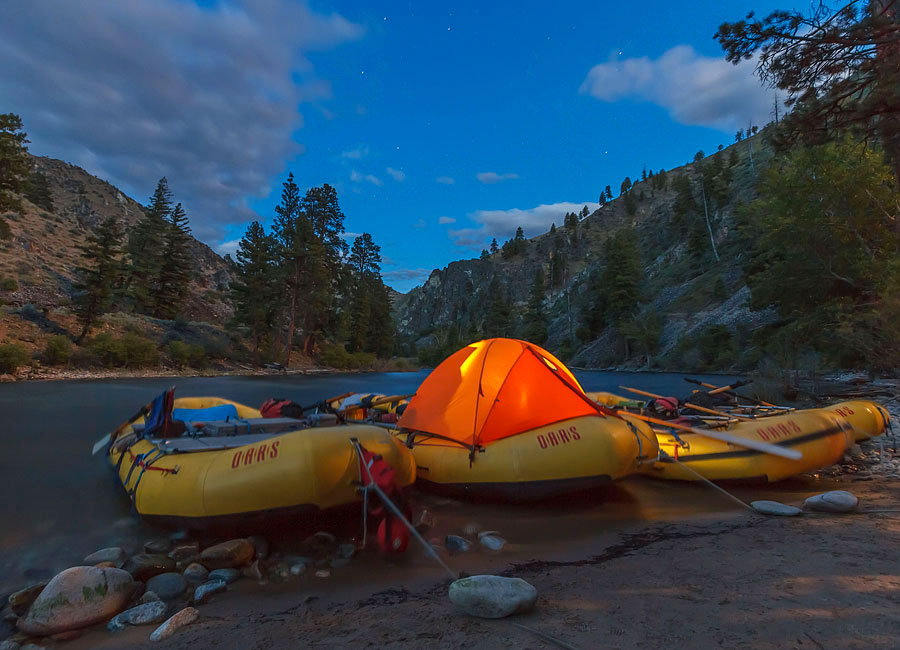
x=687 y=299
x=42 y=253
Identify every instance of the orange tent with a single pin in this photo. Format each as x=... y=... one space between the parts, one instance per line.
x=494 y=389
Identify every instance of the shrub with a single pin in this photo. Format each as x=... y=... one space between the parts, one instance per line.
x=139 y=351
x=12 y=356
x=5 y=231
x=9 y=284
x=197 y=356
x=179 y=353
x=85 y=358
x=58 y=350
x=109 y=351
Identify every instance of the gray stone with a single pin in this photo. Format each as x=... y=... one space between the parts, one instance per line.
x=323 y=573
x=144 y=614
x=144 y=566
x=489 y=596
x=775 y=508
x=158 y=545
x=230 y=554
x=185 y=551
x=196 y=573
x=76 y=598
x=179 y=535
x=20 y=601
x=185 y=617
x=835 y=501
x=492 y=543
x=208 y=589
x=225 y=575
x=114 y=554
x=457 y=544
x=9 y=644
x=298 y=569
x=346 y=551
x=149 y=597
x=167 y=586
x=424 y=522
x=260 y=546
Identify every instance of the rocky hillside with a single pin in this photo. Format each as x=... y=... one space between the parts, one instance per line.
x=687 y=296
x=42 y=252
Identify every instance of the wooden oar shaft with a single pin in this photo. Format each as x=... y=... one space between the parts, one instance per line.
x=641 y=392
x=725 y=388
x=703 y=409
x=339 y=397
x=756 y=445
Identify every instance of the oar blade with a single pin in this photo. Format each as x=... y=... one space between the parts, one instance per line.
x=749 y=443
x=100 y=444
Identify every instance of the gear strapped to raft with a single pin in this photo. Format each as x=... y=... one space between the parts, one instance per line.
x=377 y=475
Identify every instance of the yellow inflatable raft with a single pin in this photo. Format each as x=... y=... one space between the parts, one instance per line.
x=243 y=478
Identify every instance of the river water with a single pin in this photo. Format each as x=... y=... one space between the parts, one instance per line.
x=58 y=503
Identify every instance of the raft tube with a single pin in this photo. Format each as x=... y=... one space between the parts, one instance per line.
x=249 y=479
x=568 y=456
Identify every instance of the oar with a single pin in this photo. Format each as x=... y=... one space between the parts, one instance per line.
x=330 y=400
x=756 y=445
x=689 y=405
x=746 y=397
x=378 y=402
x=105 y=440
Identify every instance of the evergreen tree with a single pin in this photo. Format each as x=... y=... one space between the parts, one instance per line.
x=570 y=221
x=99 y=277
x=626 y=185
x=14 y=163
x=494 y=248
x=484 y=254
x=497 y=321
x=255 y=289
x=585 y=212
x=630 y=204
x=609 y=196
x=145 y=249
x=37 y=190
x=293 y=234
x=178 y=265
x=535 y=318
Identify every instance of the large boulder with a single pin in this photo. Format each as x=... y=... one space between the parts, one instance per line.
x=227 y=555
x=834 y=501
x=488 y=596
x=76 y=598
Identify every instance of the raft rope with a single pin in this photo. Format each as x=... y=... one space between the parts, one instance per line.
x=397 y=512
x=665 y=456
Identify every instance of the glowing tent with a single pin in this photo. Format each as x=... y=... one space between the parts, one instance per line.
x=494 y=389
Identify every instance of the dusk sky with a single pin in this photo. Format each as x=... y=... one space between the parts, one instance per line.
x=441 y=125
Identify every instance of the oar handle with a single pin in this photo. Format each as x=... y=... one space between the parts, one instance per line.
x=641 y=392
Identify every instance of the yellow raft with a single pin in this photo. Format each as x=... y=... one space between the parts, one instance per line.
x=566 y=456
x=247 y=479
x=821 y=435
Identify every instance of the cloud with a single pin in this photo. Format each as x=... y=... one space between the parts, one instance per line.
x=350 y=235
x=418 y=225
x=356 y=177
x=694 y=89
x=502 y=224
x=445 y=180
x=228 y=247
x=490 y=178
x=207 y=96
x=356 y=154
x=443 y=220
x=406 y=274
x=396 y=174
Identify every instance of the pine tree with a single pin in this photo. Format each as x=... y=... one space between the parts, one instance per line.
x=255 y=288
x=178 y=265
x=630 y=204
x=609 y=196
x=99 y=278
x=626 y=185
x=585 y=212
x=294 y=236
x=37 y=190
x=145 y=249
x=494 y=248
x=497 y=321
x=14 y=163
x=535 y=318
x=484 y=254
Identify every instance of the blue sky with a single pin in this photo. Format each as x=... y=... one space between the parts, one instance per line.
x=440 y=124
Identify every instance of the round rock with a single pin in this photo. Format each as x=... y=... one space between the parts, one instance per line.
x=225 y=575
x=76 y=598
x=158 y=545
x=835 y=501
x=144 y=566
x=227 y=555
x=457 y=544
x=185 y=617
x=167 y=586
x=145 y=614
x=196 y=573
x=489 y=596
x=775 y=508
x=113 y=554
x=205 y=591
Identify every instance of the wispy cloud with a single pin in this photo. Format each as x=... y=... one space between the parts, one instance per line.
x=418 y=225
x=502 y=224
x=396 y=174
x=445 y=180
x=444 y=220
x=491 y=178
x=204 y=95
x=357 y=177
x=350 y=235
x=228 y=247
x=358 y=153
x=694 y=89
x=407 y=275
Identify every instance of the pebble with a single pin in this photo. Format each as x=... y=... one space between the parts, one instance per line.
x=260 y=546
x=167 y=586
x=185 y=551
x=149 y=597
x=21 y=600
x=457 y=544
x=208 y=589
x=158 y=545
x=185 y=617
x=144 y=566
x=834 y=501
x=775 y=508
x=492 y=543
x=488 y=596
x=9 y=644
x=114 y=554
x=424 y=522
x=196 y=573
x=145 y=614
x=298 y=569
x=253 y=572
x=322 y=573
x=76 y=598
x=179 y=535
x=346 y=551
x=225 y=575
x=233 y=553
